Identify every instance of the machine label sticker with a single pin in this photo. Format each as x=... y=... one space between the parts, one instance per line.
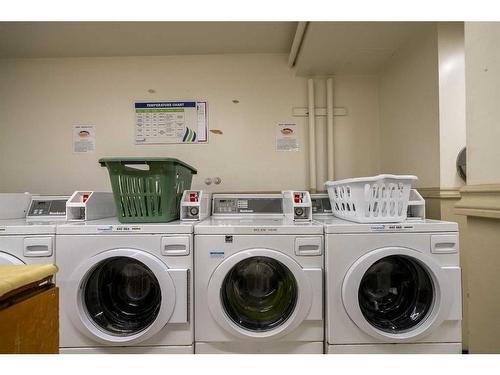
x=390 y=227
x=217 y=254
x=108 y=228
x=127 y=229
x=263 y=230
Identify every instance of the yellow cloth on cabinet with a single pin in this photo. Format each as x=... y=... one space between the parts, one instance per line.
x=16 y=276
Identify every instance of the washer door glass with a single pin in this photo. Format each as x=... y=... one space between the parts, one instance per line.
x=259 y=293
x=122 y=296
x=395 y=294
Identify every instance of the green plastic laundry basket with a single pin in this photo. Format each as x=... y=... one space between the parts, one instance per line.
x=149 y=194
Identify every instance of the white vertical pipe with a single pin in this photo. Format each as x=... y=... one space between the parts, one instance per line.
x=320 y=130
x=312 y=136
x=329 y=128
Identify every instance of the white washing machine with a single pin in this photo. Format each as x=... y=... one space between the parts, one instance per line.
x=259 y=279
x=392 y=288
x=26 y=243
x=23 y=239
x=125 y=288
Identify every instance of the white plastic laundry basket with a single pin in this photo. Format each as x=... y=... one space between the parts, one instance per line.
x=378 y=199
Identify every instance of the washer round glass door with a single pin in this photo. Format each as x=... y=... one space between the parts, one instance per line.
x=124 y=296
x=259 y=293
x=396 y=294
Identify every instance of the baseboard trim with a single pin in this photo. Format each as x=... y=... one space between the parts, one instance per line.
x=480 y=201
x=439 y=193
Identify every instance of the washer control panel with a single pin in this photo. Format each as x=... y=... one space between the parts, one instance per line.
x=253 y=204
x=47 y=208
x=321 y=204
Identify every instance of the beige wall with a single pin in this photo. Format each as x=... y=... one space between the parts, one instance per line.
x=41 y=99
x=409 y=111
x=356 y=136
x=452 y=134
x=422 y=121
x=483 y=280
x=451 y=100
x=482 y=57
x=479 y=201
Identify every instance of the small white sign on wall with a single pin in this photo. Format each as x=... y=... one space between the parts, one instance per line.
x=83 y=139
x=287 y=137
x=202 y=108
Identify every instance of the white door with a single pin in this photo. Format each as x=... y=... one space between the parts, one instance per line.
x=8 y=259
x=397 y=294
x=7 y=246
x=261 y=293
x=124 y=296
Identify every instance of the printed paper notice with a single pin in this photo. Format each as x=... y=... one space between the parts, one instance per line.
x=83 y=139
x=287 y=137
x=171 y=122
x=202 y=122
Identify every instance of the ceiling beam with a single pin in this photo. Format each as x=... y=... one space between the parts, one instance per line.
x=297 y=42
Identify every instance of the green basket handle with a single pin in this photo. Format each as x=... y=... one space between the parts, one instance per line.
x=124 y=162
x=151 y=162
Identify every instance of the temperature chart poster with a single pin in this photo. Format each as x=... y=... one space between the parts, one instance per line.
x=171 y=122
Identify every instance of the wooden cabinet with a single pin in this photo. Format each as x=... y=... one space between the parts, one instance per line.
x=29 y=321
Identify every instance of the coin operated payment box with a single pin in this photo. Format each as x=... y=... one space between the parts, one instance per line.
x=297 y=205
x=195 y=205
x=90 y=205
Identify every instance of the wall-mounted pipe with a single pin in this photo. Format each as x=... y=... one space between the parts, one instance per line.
x=297 y=42
x=329 y=129
x=312 y=136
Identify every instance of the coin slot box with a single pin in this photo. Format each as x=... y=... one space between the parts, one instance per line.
x=195 y=205
x=297 y=205
x=90 y=205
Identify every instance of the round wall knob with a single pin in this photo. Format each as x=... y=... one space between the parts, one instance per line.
x=217 y=180
x=208 y=181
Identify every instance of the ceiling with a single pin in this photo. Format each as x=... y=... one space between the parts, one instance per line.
x=352 y=47
x=91 y=39
x=327 y=48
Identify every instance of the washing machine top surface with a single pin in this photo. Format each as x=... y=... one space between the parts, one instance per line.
x=252 y=225
x=333 y=224
x=22 y=227
x=252 y=214
x=113 y=226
